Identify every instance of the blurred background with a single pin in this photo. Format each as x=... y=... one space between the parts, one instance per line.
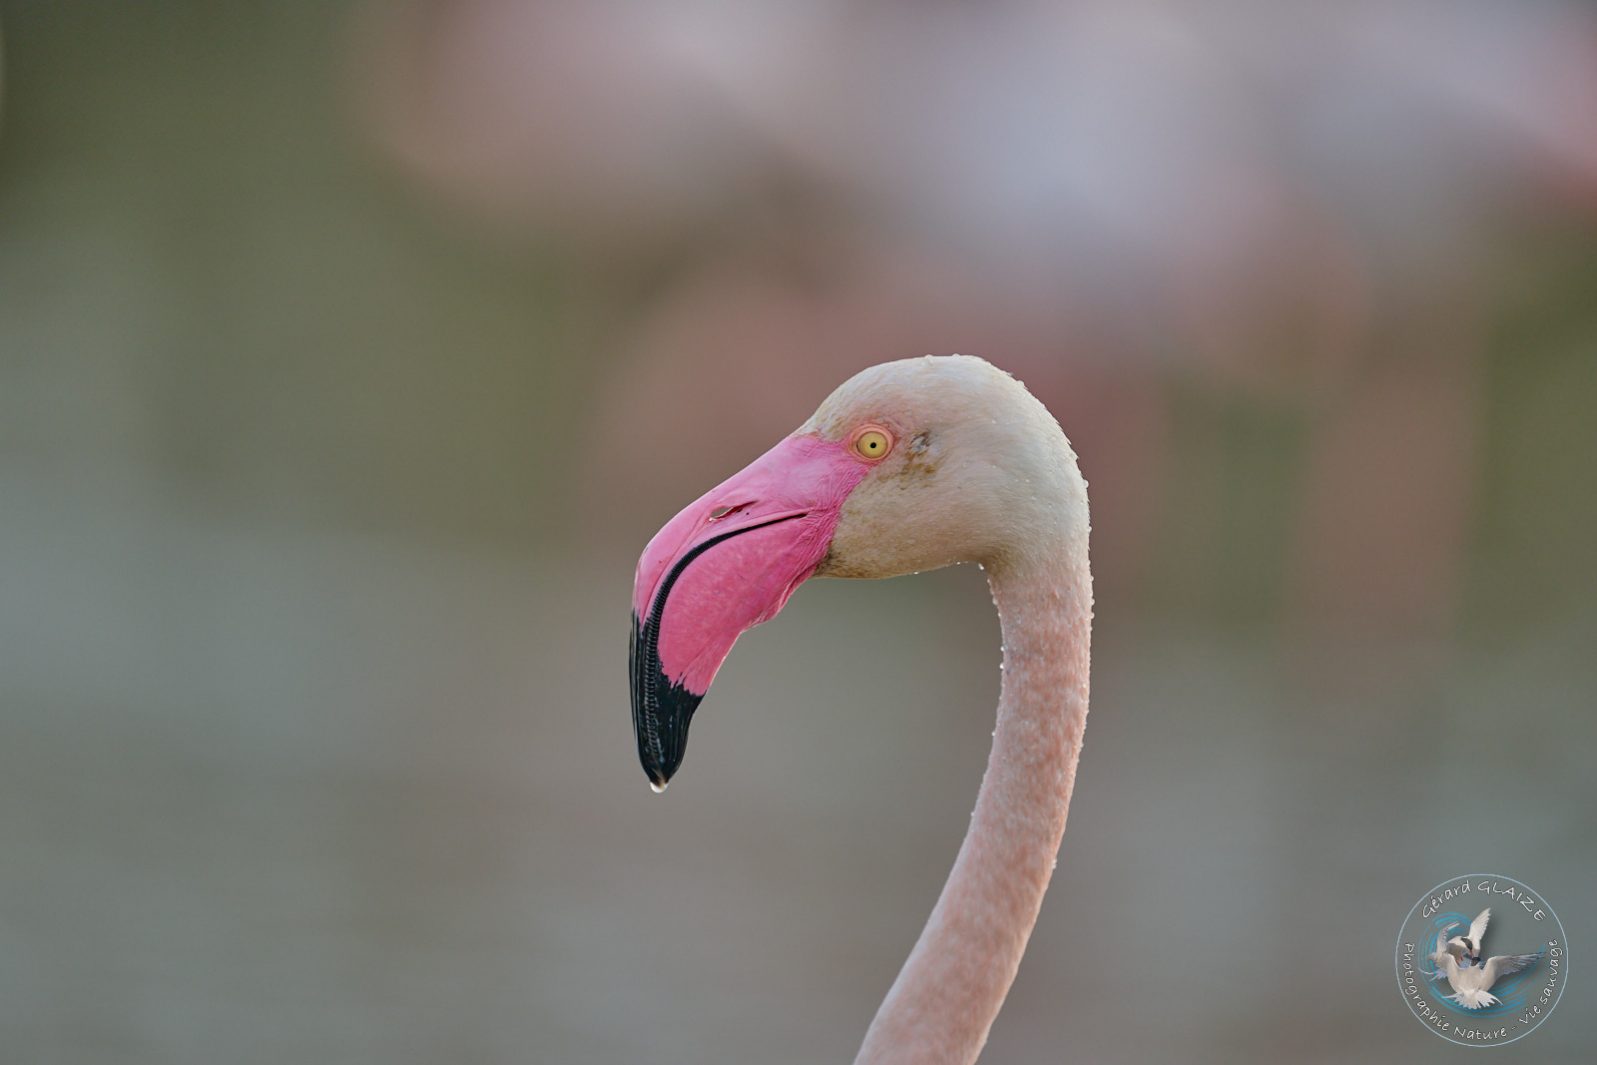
x=350 y=354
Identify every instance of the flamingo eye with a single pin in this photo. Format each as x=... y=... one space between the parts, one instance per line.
x=872 y=444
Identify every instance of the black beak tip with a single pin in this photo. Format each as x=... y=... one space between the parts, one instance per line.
x=657 y=780
x=659 y=762
x=661 y=710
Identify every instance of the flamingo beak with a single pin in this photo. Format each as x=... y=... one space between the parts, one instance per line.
x=724 y=564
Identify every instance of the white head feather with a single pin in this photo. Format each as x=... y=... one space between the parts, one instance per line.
x=978 y=473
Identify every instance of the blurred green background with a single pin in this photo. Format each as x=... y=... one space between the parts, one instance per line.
x=350 y=354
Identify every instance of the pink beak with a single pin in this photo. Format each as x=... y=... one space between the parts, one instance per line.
x=723 y=565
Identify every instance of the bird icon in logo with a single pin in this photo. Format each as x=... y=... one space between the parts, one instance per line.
x=1470 y=945
x=1458 y=960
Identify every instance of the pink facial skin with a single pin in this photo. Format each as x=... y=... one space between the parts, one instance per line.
x=798 y=487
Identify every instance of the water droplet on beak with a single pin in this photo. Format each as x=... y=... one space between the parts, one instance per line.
x=658 y=789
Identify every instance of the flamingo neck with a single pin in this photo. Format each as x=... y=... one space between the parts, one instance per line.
x=943 y=1003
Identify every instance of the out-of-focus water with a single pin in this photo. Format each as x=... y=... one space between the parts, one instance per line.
x=278 y=794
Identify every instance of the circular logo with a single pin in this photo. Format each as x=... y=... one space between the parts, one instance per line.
x=1481 y=959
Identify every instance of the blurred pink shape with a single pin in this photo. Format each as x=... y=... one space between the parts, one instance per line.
x=593 y=119
x=1381 y=535
x=745 y=345
x=1041 y=130
x=1104 y=197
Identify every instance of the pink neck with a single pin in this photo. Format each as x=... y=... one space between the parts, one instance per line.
x=940 y=1008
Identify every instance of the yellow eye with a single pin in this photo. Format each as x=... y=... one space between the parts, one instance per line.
x=872 y=444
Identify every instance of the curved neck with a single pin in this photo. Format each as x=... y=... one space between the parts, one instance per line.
x=940 y=1008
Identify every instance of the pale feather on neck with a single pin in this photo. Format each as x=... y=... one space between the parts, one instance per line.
x=951 y=988
x=990 y=478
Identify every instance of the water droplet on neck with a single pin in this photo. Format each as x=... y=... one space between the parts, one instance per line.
x=658 y=789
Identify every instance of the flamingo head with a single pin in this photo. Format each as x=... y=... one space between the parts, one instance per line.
x=908 y=466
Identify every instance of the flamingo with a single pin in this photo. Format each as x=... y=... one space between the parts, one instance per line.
x=907 y=466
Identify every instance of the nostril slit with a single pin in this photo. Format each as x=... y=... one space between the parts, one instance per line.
x=721 y=512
